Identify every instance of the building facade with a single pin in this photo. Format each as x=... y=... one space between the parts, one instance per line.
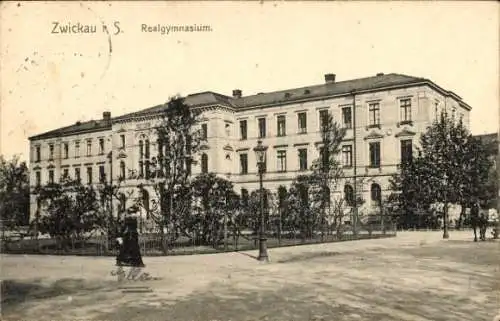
x=383 y=115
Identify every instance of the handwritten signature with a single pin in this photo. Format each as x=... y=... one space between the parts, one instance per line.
x=134 y=274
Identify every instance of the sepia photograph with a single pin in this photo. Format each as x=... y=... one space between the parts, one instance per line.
x=250 y=160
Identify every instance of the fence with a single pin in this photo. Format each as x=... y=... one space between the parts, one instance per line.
x=154 y=244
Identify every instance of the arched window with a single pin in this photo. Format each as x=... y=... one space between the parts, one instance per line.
x=204 y=163
x=376 y=194
x=146 y=153
x=145 y=202
x=122 y=170
x=349 y=195
x=141 y=149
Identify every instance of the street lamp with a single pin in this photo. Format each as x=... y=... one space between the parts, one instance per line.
x=260 y=153
x=445 y=208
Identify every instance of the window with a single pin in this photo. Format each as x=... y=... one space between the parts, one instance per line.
x=101 y=146
x=376 y=194
x=303 y=159
x=37 y=154
x=146 y=149
x=188 y=166
x=375 y=154
x=204 y=131
x=243 y=129
x=347 y=155
x=347 y=117
x=228 y=129
x=89 y=175
x=65 y=173
x=77 y=149
x=374 y=111
x=436 y=104
x=122 y=141
x=405 y=110
x=77 y=175
x=302 y=119
x=244 y=197
x=66 y=150
x=323 y=119
x=262 y=127
x=325 y=158
x=51 y=176
x=243 y=164
x=406 y=150
x=204 y=163
x=281 y=160
x=89 y=147
x=38 y=178
x=122 y=170
x=281 y=123
x=141 y=149
x=146 y=169
x=349 y=195
x=102 y=174
x=453 y=112
x=51 y=151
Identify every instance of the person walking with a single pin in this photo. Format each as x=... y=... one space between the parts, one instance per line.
x=129 y=253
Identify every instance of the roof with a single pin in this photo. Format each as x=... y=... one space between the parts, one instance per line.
x=77 y=128
x=208 y=98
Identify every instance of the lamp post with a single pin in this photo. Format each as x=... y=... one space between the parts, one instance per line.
x=445 y=208
x=260 y=153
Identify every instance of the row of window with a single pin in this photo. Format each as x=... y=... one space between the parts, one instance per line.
x=347 y=157
x=65 y=149
x=346 y=118
x=375 y=195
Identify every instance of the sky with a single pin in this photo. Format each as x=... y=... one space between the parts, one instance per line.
x=50 y=80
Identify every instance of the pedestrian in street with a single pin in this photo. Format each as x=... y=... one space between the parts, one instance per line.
x=129 y=253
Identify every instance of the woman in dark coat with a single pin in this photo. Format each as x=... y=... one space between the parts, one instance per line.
x=129 y=254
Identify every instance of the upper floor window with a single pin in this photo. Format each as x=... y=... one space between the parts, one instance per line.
x=77 y=149
x=347 y=155
x=141 y=149
x=374 y=112
x=146 y=148
x=323 y=119
x=66 y=150
x=204 y=131
x=51 y=151
x=281 y=124
x=38 y=178
x=262 y=127
x=122 y=141
x=89 y=147
x=65 y=173
x=302 y=122
x=243 y=129
x=406 y=150
x=37 y=154
x=51 y=176
x=101 y=146
x=374 y=154
x=324 y=158
x=405 y=110
x=281 y=156
x=243 y=163
x=228 y=129
x=303 y=159
x=346 y=117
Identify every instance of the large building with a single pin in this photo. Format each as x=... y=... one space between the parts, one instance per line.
x=383 y=114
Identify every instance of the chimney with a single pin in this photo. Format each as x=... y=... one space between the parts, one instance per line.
x=106 y=116
x=237 y=93
x=329 y=78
